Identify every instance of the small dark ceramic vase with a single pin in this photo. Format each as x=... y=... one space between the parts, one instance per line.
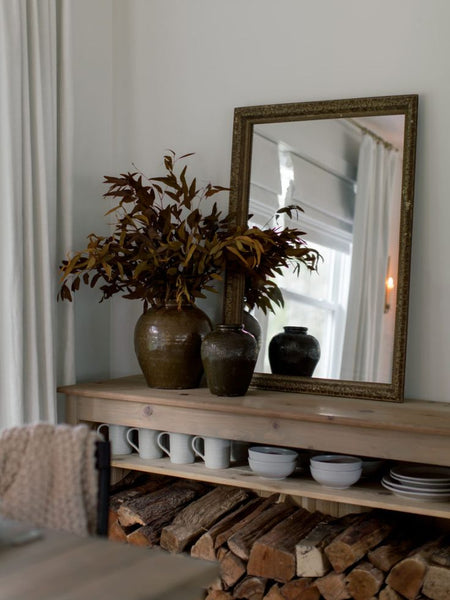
x=229 y=356
x=294 y=352
x=167 y=342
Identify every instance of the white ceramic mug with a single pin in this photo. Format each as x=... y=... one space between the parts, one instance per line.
x=179 y=449
x=117 y=435
x=147 y=446
x=216 y=451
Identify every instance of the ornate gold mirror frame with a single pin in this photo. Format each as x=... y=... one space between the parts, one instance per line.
x=246 y=121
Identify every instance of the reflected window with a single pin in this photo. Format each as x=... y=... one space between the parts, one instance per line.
x=346 y=181
x=317 y=301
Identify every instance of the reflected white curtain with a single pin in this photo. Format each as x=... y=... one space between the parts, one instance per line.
x=377 y=166
x=35 y=158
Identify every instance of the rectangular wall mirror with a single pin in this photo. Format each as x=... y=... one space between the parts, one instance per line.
x=350 y=165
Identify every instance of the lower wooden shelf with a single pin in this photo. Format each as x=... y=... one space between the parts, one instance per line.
x=414 y=431
x=370 y=494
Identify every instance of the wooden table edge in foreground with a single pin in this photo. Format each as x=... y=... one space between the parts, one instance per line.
x=62 y=566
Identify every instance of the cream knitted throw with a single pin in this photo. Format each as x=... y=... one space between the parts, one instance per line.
x=48 y=476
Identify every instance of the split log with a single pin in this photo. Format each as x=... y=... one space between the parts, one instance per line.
x=192 y=521
x=385 y=556
x=436 y=584
x=407 y=576
x=216 y=584
x=310 y=551
x=156 y=510
x=364 y=581
x=250 y=588
x=223 y=538
x=116 y=532
x=300 y=589
x=131 y=479
x=221 y=553
x=141 y=486
x=332 y=586
x=146 y=486
x=353 y=543
x=441 y=556
x=232 y=568
x=274 y=593
x=273 y=554
x=206 y=546
x=218 y=595
x=159 y=505
x=242 y=541
x=147 y=536
x=387 y=593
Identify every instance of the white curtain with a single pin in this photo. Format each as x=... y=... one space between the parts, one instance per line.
x=35 y=151
x=377 y=166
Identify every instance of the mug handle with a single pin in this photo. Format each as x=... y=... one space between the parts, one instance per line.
x=128 y=438
x=194 y=446
x=100 y=427
x=160 y=444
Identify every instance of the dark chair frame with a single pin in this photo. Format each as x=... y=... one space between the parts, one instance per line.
x=103 y=465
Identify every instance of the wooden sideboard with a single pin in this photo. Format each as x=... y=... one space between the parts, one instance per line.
x=414 y=431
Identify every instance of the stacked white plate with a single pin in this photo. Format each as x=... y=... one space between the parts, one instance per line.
x=419 y=482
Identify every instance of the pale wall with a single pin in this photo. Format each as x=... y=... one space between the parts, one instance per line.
x=181 y=66
x=93 y=152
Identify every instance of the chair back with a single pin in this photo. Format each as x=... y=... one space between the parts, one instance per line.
x=103 y=465
x=55 y=476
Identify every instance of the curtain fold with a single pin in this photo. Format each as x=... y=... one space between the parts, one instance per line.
x=377 y=166
x=36 y=208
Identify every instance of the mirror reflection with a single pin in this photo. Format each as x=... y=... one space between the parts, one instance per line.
x=346 y=175
x=350 y=165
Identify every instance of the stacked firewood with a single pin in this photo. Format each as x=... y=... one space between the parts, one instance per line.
x=270 y=549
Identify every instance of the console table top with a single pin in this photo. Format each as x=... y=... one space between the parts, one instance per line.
x=432 y=418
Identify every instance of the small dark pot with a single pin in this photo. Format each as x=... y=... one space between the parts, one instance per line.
x=167 y=342
x=294 y=352
x=229 y=356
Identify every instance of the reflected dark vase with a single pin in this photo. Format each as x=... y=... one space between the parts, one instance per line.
x=251 y=324
x=229 y=356
x=167 y=342
x=294 y=352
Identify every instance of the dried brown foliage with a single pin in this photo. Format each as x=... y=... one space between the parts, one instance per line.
x=164 y=246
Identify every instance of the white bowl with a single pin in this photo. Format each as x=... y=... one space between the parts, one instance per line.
x=272 y=470
x=339 y=480
x=332 y=470
x=272 y=454
x=336 y=462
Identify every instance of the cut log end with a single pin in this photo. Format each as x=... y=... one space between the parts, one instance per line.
x=364 y=581
x=436 y=584
x=333 y=586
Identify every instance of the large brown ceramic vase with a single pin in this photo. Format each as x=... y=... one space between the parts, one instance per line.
x=167 y=341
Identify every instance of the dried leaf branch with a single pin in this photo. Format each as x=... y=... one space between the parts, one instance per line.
x=165 y=247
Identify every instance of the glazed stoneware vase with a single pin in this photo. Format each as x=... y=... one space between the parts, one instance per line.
x=229 y=356
x=294 y=352
x=167 y=341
